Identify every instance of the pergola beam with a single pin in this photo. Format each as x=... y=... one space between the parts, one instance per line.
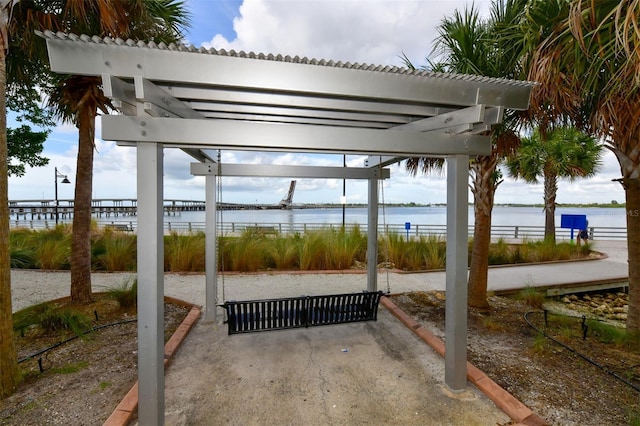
x=227 y=134
x=340 y=105
x=273 y=170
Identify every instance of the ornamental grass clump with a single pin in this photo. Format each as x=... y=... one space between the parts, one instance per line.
x=315 y=252
x=184 y=253
x=421 y=253
x=49 y=318
x=532 y=297
x=119 y=254
x=608 y=333
x=245 y=253
x=53 y=248
x=282 y=252
x=500 y=253
x=126 y=294
x=330 y=248
x=21 y=250
x=394 y=250
x=345 y=247
x=545 y=250
x=435 y=252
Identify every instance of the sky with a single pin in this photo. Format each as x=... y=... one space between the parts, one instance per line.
x=366 y=31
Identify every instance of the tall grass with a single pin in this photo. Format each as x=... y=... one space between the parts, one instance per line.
x=52 y=248
x=345 y=247
x=532 y=297
x=246 y=253
x=22 y=250
x=126 y=294
x=608 y=333
x=50 y=318
x=314 y=251
x=394 y=249
x=184 y=253
x=423 y=253
x=282 y=253
x=329 y=248
x=500 y=253
x=435 y=252
x=119 y=253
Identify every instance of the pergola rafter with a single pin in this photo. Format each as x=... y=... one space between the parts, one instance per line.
x=197 y=100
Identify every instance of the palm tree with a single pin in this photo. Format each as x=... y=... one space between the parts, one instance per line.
x=565 y=153
x=9 y=371
x=468 y=45
x=78 y=99
x=587 y=66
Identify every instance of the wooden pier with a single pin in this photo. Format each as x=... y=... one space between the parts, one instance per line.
x=46 y=209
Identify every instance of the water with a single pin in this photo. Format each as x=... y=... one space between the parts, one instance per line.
x=435 y=215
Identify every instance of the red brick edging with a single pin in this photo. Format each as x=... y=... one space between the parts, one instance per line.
x=124 y=412
x=512 y=407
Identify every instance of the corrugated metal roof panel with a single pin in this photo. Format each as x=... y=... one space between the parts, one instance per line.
x=279 y=58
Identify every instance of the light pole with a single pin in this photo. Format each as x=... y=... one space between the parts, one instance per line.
x=344 y=191
x=64 y=180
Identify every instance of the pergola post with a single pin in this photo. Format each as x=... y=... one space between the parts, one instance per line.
x=211 y=250
x=150 y=284
x=372 y=236
x=455 y=360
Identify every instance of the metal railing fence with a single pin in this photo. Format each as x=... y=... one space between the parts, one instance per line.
x=231 y=228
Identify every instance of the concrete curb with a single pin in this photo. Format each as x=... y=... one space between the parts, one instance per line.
x=516 y=410
x=126 y=409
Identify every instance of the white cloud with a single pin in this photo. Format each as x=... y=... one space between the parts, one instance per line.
x=356 y=31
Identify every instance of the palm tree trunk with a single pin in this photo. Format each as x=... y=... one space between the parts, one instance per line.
x=9 y=372
x=632 y=194
x=483 y=188
x=81 y=240
x=550 y=192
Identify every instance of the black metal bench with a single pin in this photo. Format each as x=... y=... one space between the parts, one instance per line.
x=305 y=311
x=122 y=227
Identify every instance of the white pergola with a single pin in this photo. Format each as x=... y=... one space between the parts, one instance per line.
x=197 y=100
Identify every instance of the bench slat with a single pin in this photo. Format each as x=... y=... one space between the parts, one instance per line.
x=304 y=311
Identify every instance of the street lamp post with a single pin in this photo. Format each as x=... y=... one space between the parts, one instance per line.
x=343 y=200
x=64 y=180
